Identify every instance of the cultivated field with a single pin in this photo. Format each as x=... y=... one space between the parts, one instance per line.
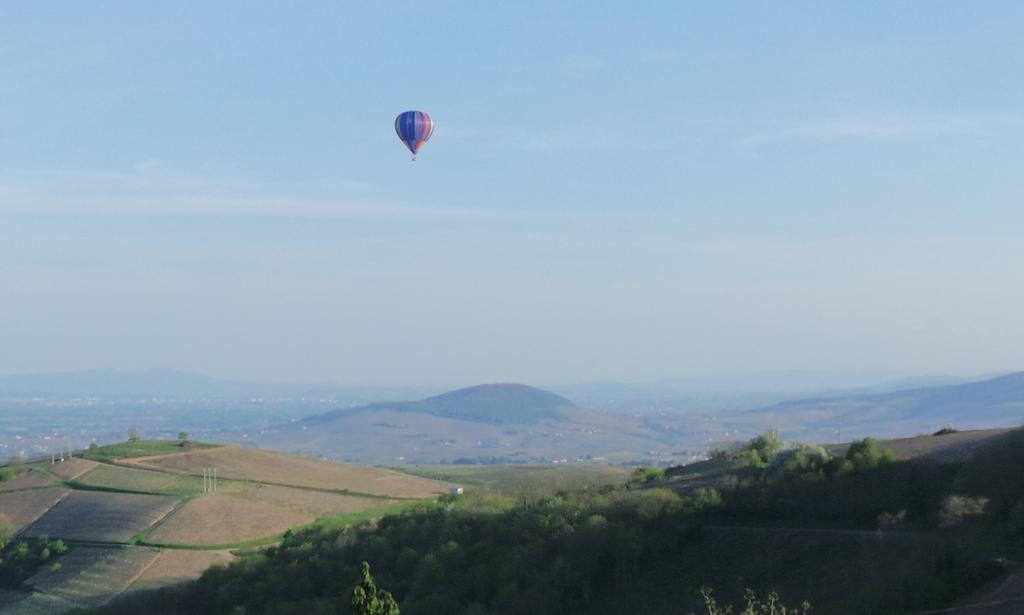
x=117 y=498
x=100 y=516
x=26 y=603
x=315 y=503
x=224 y=519
x=176 y=566
x=107 y=476
x=268 y=467
x=90 y=576
x=72 y=468
x=29 y=480
x=20 y=508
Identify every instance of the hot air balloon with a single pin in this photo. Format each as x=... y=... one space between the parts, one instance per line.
x=414 y=128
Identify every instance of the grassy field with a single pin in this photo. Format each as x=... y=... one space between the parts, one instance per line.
x=20 y=508
x=176 y=566
x=105 y=476
x=90 y=576
x=223 y=520
x=142 y=448
x=102 y=517
x=514 y=479
x=276 y=468
x=947 y=448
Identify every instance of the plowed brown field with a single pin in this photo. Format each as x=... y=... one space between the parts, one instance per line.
x=177 y=566
x=72 y=468
x=20 y=508
x=268 y=467
x=224 y=519
x=315 y=503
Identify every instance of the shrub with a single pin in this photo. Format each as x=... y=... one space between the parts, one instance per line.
x=760 y=451
x=646 y=475
x=754 y=606
x=892 y=521
x=957 y=508
x=866 y=455
x=802 y=461
x=6 y=532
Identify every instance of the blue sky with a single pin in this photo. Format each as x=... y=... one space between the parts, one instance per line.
x=613 y=191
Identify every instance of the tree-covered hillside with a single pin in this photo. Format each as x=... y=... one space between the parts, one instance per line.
x=874 y=536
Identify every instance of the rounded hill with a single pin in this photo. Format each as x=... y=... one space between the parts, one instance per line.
x=497 y=403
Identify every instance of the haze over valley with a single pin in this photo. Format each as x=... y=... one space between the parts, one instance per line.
x=652 y=424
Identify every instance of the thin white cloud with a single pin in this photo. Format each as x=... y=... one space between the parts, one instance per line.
x=154 y=189
x=879 y=127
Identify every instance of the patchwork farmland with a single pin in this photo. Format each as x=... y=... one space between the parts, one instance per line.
x=139 y=523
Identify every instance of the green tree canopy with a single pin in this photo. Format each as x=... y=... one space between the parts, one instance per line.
x=368 y=599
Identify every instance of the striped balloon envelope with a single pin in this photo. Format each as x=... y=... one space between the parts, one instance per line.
x=414 y=128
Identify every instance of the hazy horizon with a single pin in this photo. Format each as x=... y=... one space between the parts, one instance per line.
x=795 y=381
x=610 y=194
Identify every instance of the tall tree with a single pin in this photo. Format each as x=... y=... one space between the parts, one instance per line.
x=368 y=599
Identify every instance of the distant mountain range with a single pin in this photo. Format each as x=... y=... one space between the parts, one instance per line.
x=995 y=402
x=514 y=422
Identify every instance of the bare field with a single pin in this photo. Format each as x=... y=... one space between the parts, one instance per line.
x=72 y=468
x=177 y=566
x=29 y=480
x=224 y=519
x=100 y=516
x=315 y=503
x=265 y=466
x=91 y=576
x=20 y=508
x=150 y=481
